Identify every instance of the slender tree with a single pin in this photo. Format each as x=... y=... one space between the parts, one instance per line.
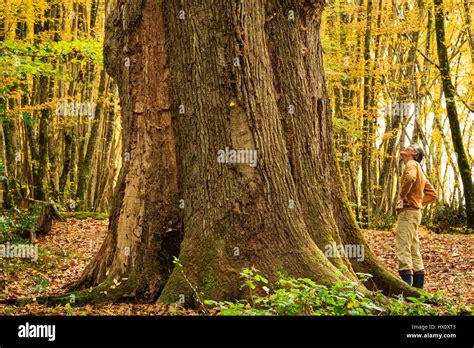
x=449 y=94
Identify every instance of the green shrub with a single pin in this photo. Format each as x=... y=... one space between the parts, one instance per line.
x=302 y=296
x=40 y=283
x=25 y=220
x=17 y=224
x=8 y=228
x=6 y=223
x=381 y=221
x=447 y=219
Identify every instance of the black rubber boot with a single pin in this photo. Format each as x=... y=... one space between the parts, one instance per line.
x=418 y=279
x=407 y=277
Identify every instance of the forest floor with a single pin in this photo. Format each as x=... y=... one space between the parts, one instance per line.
x=65 y=252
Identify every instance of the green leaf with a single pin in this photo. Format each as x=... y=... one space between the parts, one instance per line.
x=26 y=117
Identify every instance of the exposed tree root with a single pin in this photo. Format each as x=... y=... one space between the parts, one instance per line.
x=382 y=279
x=111 y=292
x=107 y=291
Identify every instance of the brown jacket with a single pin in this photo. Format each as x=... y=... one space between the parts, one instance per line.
x=415 y=191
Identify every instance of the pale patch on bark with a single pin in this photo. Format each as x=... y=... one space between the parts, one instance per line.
x=242 y=138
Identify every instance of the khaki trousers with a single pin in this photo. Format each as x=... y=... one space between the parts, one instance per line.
x=407 y=242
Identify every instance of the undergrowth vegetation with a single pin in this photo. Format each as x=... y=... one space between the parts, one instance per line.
x=302 y=296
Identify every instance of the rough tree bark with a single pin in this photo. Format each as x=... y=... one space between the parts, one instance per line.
x=193 y=80
x=144 y=230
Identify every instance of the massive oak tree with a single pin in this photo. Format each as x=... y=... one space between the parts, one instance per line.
x=197 y=77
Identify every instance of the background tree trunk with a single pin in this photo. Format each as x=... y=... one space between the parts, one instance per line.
x=449 y=94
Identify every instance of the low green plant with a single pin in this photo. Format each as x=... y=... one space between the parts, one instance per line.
x=6 y=222
x=447 y=219
x=25 y=220
x=302 y=296
x=8 y=228
x=180 y=266
x=15 y=226
x=69 y=309
x=381 y=221
x=40 y=283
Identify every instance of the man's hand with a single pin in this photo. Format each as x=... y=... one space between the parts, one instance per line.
x=400 y=204
x=429 y=194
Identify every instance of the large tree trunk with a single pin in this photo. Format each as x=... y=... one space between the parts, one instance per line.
x=144 y=230
x=240 y=75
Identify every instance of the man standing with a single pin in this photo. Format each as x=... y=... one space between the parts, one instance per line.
x=415 y=193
